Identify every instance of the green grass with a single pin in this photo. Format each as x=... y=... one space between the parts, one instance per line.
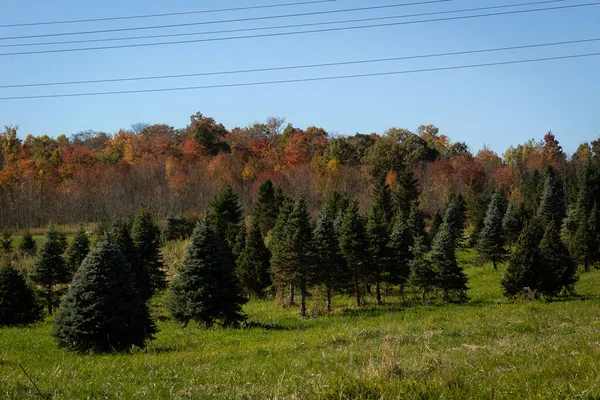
x=487 y=348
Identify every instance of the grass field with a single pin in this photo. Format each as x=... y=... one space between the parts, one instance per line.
x=488 y=348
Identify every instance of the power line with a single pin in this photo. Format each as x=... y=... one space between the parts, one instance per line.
x=305 y=14
x=306 y=66
x=298 y=32
x=327 y=78
x=280 y=26
x=74 y=21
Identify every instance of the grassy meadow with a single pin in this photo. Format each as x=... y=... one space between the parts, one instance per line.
x=489 y=348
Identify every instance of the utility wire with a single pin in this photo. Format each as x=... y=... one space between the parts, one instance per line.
x=281 y=26
x=307 y=66
x=305 y=14
x=75 y=21
x=327 y=78
x=299 y=32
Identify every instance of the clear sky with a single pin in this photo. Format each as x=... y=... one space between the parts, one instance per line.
x=496 y=106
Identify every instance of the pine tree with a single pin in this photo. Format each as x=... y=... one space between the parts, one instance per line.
x=532 y=191
x=552 y=201
x=586 y=244
x=422 y=273
x=382 y=199
x=434 y=227
x=146 y=238
x=336 y=204
x=491 y=239
x=331 y=270
x=512 y=223
x=121 y=235
x=400 y=246
x=266 y=207
x=18 y=304
x=50 y=269
x=240 y=242
x=407 y=193
x=454 y=217
x=27 y=244
x=78 y=249
x=354 y=246
x=206 y=288
x=253 y=263
x=450 y=276
x=6 y=242
x=177 y=227
x=226 y=215
x=102 y=310
x=377 y=233
x=416 y=222
x=560 y=269
x=525 y=267
x=277 y=245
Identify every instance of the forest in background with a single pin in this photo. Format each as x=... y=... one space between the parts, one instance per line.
x=94 y=176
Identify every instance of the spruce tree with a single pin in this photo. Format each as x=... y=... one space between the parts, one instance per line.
x=28 y=245
x=354 y=246
x=103 y=311
x=560 y=269
x=552 y=201
x=491 y=239
x=454 y=217
x=436 y=222
x=400 y=245
x=266 y=209
x=331 y=270
x=18 y=304
x=240 y=242
x=206 y=289
x=525 y=267
x=450 y=276
x=378 y=235
x=253 y=263
x=121 y=235
x=407 y=193
x=50 y=269
x=145 y=235
x=6 y=242
x=382 y=199
x=512 y=223
x=416 y=222
x=226 y=216
x=422 y=273
x=586 y=244
x=177 y=227
x=78 y=249
x=336 y=204
x=277 y=246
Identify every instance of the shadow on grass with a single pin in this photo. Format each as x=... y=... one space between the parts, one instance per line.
x=268 y=326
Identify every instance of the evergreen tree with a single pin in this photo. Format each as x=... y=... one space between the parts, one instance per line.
x=6 y=242
x=512 y=223
x=206 y=288
x=253 y=263
x=407 y=193
x=240 y=242
x=18 y=305
x=50 y=269
x=400 y=246
x=532 y=191
x=454 y=217
x=336 y=204
x=491 y=239
x=266 y=207
x=354 y=246
x=121 y=235
x=177 y=227
x=450 y=276
x=552 y=201
x=377 y=233
x=102 y=310
x=226 y=216
x=422 y=273
x=382 y=199
x=586 y=244
x=434 y=227
x=416 y=222
x=331 y=270
x=145 y=235
x=78 y=249
x=525 y=267
x=560 y=269
x=27 y=244
x=277 y=246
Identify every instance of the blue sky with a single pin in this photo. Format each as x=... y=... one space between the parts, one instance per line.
x=496 y=106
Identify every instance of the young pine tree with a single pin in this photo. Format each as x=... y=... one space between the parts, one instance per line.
x=586 y=244
x=206 y=289
x=491 y=239
x=18 y=304
x=407 y=193
x=434 y=227
x=78 y=249
x=454 y=217
x=450 y=276
x=331 y=270
x=422 y=273
x=150 y=276
x=377 y=233
x=552 y=201
x=177 y=227
x=50 y=269
x=266 y=207
x=103 y=311
x=416 y=222
x=400 y=246
x=512 y=223
x=27 y=244
x=382 y=199
x=277 y=242
x=6 y=243
x=253 y=263
x=226 y=216
x=560 y=269
x=354 y=246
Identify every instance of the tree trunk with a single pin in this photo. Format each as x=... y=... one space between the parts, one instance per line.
x=356 y=291
x=423 y=296
x=328 y=299
x=402 y=291
x=292 y=300
x=586 y=264
x=494 y=262
x=378 y=292
x=49 y=298
x=303 y=299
